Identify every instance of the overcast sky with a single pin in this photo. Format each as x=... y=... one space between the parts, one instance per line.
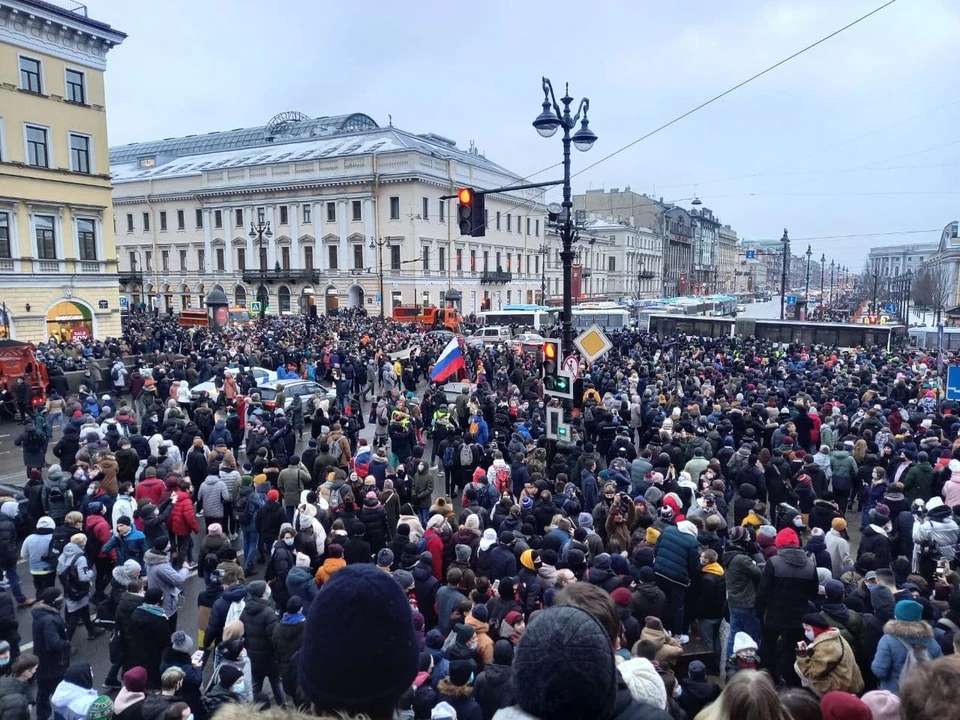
x=857 y=136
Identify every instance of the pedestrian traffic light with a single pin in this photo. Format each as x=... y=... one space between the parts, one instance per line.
x=471 y=214
x=556 y=382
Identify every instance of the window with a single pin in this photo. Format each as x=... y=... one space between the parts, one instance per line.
x=394 y=257
x=218 y=218
x=201 y=261
x=442 y=211
x=283 y=215
x=285 y=258
x=80 y=153
x=238 y=217
x=147 y=162
x=473 y=261
x=38 y=153
x=498 y=266
x=459 y=260
x=425 y=258
x=536 y=264
x=332 y=254
x=30 y=75
x=357 y=210
x=165 y=260
x=537 y=228
x=163 y=221
x=133 y=260
x=183 y=259
x=358 y=257
x=394 y=208
x=76 y=91
x=611 y=263
x=498 y=219
x=283 y=299
x=528 y=226
x=46 y=237
x=528 y=265
x=129 y=222
x=181 y=223
x=148 y=260
x=221 y=260
x=425 y=213
x=261 y=215
x=308 y=258
x=509 y=223
x=241 y=296
x=331 y=212
x=306 y=213
x=198 y=220
x=441 y=259
x=146 y=222
x=486 y=260
x=241 y=259
x=5 y=249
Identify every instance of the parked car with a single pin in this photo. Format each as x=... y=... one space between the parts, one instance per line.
x=261 y=375
x=452 y=390
x=442 y=335
x=300 y=390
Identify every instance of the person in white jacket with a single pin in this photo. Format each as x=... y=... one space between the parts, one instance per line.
x=839 y=548
x=75 y=694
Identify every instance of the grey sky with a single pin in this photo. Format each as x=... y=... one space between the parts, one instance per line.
x=852 y=137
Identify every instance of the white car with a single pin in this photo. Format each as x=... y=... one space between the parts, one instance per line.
x=261 y=375
x=527 y=339
x=453 y=389
x=299 y=390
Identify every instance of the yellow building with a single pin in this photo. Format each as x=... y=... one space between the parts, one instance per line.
x=58 y=260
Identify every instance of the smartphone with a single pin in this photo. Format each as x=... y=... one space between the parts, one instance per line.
x=496 y=585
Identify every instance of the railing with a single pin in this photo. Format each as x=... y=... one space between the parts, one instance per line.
x=495 y=277
x=131 y=276
x=69 y=6
x=269 y=276
x=48 y=265
x=90 y=266
x=6 y=265
x=647 y=274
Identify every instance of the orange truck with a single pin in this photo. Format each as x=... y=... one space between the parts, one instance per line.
x=19 y=359
x=430 y=316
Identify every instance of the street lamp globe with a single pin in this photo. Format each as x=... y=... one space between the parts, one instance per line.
x=252 y=233
x=584 y=138
x=547 y=122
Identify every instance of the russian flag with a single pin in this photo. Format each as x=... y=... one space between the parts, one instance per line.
x=449 y=362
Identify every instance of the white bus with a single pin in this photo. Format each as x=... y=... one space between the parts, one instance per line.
x=608 y=315
x=520 y=316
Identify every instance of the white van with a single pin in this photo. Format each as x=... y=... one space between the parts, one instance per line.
x=493 y=334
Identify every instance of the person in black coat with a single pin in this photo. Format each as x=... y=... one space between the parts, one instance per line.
x=425 y=589
x=493 y=688
x=697 y=692
x=269 y=519
x=51 y=646
x=816 y=547
x=149 y=635
x=744 y=503
x=374 y=519
x=503 y=561
x=356 y=549
x=875 y=539
x=279 y=564
x=259 y=619
x=67 y=446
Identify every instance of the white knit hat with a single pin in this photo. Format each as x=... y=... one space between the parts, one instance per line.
x=685 y=526
x=742 y=641
x=644 y=682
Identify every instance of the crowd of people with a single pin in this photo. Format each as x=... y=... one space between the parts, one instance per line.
x=734 y=530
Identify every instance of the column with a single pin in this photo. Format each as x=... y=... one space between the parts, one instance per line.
x=228 y=263
x=294 y=216
x=369 y=230
x=272 y=242
x=253 y=254
x=206 y=243
x=342 y=206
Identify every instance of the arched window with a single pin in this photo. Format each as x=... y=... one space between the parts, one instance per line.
x=240 y=296
x=283 y=298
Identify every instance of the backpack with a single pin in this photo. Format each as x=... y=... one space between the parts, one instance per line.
x=245 y=508
x=57 y=503
x=466 y=455
x=235 y=611
x=336 y=499
x=916 y=655
x=501 y=479
x=475 y=428
x=336 y=449
x=449 y=457
x=73 y=587
x=57 y=544
x=115 y=374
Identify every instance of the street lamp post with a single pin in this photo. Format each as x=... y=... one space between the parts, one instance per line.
x=379 y=244
x=823 y=261
x=550 y=119
x=783 y=279
x=258 y=232
x=832 y=267
x=806 y=289
x=640 y=277
x=906 y=298
x=544 y=253
x=876 y=280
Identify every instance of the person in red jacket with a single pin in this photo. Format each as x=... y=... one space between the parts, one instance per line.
x=435 y=543
x=99 y=529
x=183 y=523
x=151 y=487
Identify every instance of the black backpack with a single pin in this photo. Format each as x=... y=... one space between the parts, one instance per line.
x=57 y=505
x=57 y=544
x=73 y=587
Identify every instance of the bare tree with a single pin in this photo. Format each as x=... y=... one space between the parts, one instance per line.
x=933 y=289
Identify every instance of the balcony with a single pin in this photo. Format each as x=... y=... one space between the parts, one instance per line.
x=586 y=272
x=647 y=274
x=281 y=275
x=496 y=277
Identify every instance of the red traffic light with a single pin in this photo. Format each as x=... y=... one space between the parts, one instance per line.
x=465 y=195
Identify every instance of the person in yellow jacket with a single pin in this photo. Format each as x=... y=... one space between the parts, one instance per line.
x=825 y=661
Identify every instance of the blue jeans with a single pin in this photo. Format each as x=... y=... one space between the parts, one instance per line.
x=250 y=540
x=743 y=620
x=424 y=514
x=58 y=417
x=14 y=580
x=710 y=633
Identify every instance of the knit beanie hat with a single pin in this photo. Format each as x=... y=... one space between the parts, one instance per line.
x=787 y=538
x=644 y=682
x=908 y=610
x=181 y=642
x=621 y=597
x=101 y=709
x=385 y=558
x=379 y=629
x=565 y=666
x=229 y=676
x=463 y=553
x=742 y=641
x=883 y=704
x=838 y=524
x=833 y=589
x=135 y=679
x=839 y=705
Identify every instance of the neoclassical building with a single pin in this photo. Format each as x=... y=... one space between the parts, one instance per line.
x=352 y=207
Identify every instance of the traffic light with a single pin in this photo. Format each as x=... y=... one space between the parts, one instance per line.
x=470 y=212
x=556 y=382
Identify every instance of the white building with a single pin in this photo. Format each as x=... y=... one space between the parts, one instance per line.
x=620 y=261
x=894 y=260
x=329 y=187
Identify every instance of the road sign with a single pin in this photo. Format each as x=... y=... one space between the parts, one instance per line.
x=592 y=343
x=378 y=297
x=890 y=307
x=255 y=306
x=953 y=382
x=751 y=254
x=123 y=303
x=791 y=299
x=572 y=366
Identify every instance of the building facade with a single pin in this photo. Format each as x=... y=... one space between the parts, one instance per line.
x=705 y=271
x=356 y=218
x=945 y=262
x=727 y=266
x=894 y=260
x=678 y=231
x=620 y=261
x=58 y=266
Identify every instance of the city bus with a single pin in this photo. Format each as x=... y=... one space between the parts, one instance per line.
x=608 y=315
x=925 y=338
x=536 y=317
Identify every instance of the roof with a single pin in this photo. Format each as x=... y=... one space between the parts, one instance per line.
x=288 y=137
x=70 y=12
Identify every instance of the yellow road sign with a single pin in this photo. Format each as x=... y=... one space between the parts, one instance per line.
x=592 y=343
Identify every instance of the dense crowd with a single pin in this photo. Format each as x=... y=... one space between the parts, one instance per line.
x=687 y=554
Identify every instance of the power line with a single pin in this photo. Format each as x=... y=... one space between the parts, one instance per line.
x=736 y=87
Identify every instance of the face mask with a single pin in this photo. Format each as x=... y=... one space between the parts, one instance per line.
x=288 y=542
x=90 y=491
x=4 y=661
x=798 y=521
x=422 y=467
x=240 y=688
x=809 y=634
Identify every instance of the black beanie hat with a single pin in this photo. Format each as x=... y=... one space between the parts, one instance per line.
x=503 y=652
x=229 y=676
x=564 y=664
x=379 y=629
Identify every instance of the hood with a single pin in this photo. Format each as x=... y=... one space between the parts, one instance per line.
x=713 y=569
x=299 y=576
x=839 y=454
x=221 y=425
x=915 y=633
x=152 y=557
x=816 y=544
x=748 y=491
x=793 y=556
x=236 y=593
x=70 y=552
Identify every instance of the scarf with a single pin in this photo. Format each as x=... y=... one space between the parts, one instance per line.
x=293 y=618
